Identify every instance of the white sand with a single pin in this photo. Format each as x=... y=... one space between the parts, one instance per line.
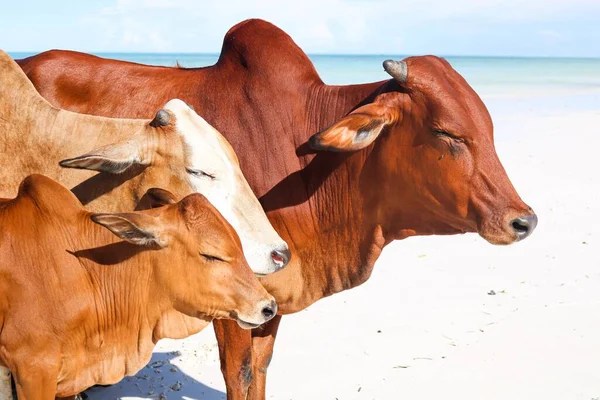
x=425 y=326
x=5 y=388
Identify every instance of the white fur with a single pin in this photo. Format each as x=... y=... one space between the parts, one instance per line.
x=229 y=192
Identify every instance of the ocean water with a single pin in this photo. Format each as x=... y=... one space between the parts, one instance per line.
x=508 y=85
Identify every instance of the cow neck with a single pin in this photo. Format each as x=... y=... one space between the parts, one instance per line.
x=344 y=243
x=127 y=305
x=122 y=276
x=40 y=129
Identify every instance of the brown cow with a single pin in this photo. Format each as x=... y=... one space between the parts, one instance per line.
x=413 y=155
x=80 y=306
x=177 y=150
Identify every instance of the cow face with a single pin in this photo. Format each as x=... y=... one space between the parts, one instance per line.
x=199 y=263
x=433 y=157
x=181 y=152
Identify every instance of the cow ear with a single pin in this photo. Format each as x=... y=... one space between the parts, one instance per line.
x=137 y=228
x=155 y=198
x=113 y=158
x=357 y=130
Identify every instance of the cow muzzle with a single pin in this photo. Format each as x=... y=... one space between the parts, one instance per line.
x=262 y=313
x=267 y=259
x=509 y=228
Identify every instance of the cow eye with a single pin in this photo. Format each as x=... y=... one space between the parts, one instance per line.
x=199 y=173
x=211 y=258
x=441 y=133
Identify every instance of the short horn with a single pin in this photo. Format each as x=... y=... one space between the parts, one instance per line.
x=162 y=118
x=397 y=69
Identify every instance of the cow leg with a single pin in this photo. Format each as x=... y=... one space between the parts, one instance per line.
x=5 y=384
x=235 y=351
x=35 y=384
x=263 y=340
x=35 y=374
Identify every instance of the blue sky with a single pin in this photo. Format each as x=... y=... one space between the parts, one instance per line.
x=459 y=27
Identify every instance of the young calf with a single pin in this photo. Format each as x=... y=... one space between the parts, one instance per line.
x=80 y=306
x=122 y=158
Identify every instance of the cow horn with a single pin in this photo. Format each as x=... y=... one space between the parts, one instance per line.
x=397 y=69
x=162 y=118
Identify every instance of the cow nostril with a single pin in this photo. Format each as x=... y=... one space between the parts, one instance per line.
x=524 y=226
x=269 y=311
x=281 y=257
x=520 y=226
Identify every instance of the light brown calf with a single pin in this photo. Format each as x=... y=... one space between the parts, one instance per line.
x=80 y=306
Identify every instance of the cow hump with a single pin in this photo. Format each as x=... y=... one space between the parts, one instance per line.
x=259 y=46
x=49 y=195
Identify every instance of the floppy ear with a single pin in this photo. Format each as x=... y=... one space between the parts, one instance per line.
x=195 y=207
x=155 y=198
x=357 y=130
x=113 y=158
x=136 y=228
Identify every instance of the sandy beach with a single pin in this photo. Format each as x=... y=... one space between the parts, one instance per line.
x=450 y=317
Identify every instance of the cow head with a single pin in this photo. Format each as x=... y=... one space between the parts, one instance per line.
x=179 y=151
x=433 y=168
x=199 y=266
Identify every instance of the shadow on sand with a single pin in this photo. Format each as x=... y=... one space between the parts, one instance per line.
x=159 y=377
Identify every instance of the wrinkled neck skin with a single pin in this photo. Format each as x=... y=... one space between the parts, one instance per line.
x=42 y=135
x=338 y=233
x=129 y=314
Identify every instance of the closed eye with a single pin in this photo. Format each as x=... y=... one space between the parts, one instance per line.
x=441 y=133
x=199 y=173
x=211 y=258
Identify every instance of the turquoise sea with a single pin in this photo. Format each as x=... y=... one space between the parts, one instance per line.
x=507 y=84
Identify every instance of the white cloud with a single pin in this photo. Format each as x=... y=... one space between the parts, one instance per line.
x=341 y=26
x=319 y=24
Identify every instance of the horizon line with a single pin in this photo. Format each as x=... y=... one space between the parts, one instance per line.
x=320 y=54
